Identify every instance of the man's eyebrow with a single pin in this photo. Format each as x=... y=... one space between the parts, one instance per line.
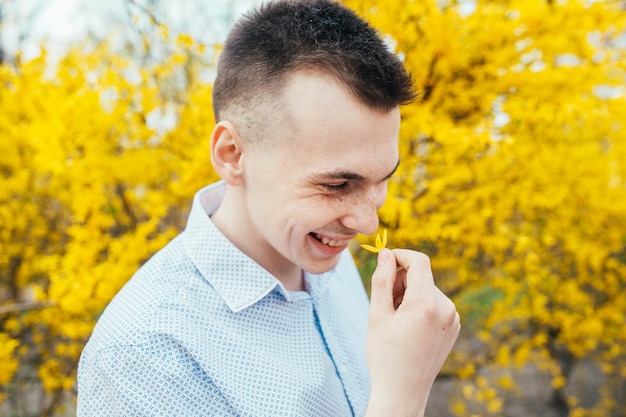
x=340 y=174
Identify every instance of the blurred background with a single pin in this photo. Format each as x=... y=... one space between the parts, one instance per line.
x=513 y=180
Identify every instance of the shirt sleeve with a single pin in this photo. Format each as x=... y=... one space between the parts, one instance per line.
x=128 y=381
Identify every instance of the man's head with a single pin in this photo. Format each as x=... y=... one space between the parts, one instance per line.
x=284 y=36
x=317 y=89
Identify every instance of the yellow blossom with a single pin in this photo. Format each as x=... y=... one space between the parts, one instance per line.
x=381 y=243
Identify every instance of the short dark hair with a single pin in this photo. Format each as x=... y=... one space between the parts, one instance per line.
x=283 y=36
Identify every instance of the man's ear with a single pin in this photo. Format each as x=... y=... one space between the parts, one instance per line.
x=226 y=152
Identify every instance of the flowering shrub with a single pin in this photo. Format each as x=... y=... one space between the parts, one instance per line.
x=100 y=159
x=513 y=178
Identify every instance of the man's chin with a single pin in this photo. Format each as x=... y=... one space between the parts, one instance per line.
x=319 y=267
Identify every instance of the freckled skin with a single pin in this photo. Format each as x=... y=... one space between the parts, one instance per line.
x=325 y=136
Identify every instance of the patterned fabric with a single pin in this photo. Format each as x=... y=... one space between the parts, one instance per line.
x=202 y=330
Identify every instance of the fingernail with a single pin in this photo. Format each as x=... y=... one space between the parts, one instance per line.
x=383 y=255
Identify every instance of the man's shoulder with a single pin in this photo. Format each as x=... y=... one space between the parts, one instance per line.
x=134 y=312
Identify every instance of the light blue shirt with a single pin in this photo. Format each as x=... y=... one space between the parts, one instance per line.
x=203 y=330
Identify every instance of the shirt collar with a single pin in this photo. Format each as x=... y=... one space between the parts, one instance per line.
x=236 y=277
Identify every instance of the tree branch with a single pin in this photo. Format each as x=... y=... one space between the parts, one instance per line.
x=17 y=308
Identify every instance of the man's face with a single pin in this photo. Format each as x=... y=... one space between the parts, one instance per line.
x=321 y=177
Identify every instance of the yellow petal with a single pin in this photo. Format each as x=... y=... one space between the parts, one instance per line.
x=370 y=248
x=379 y=242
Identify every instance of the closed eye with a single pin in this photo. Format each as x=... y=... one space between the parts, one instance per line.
x=335 y=188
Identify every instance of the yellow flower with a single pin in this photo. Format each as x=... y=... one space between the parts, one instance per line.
x=380 y=243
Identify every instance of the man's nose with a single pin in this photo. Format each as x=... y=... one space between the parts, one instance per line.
x=362 y=213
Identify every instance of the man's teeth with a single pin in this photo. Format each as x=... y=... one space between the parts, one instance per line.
x=330 y=242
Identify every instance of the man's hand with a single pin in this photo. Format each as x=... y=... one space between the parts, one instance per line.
x=412 y=328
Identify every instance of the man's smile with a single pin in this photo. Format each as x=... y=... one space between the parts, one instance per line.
x=328 y=241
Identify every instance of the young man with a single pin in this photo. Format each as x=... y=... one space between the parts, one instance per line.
x=257 y=309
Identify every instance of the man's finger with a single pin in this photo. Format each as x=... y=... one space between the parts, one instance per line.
x=382 y=283
x=419 y=276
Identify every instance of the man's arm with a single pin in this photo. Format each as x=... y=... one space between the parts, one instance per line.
x=412 y=328
x=125 y=381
